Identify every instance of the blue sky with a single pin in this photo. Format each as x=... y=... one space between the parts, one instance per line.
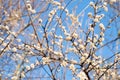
x=80 y=7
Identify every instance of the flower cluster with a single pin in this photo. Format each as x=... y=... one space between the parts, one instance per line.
x=56 y=40
x=29 y=7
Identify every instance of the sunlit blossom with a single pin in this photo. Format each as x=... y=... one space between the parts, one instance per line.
x=75 y=35
x=81 y=46
x=59 y=54
x=101 y=26
x=46 y=60
x=56 y=3
x=92 y=4
x=32 y=66
x=40 y=21
x=82 y=75
x=28 y=67
x=22 y=74
x=105 y=8
x=68 y=38
x=96 y=20
x=64 y=63
x=113 y=1
x=72 y=67
x=90 y=15
x=14 y=49
x=14 y=78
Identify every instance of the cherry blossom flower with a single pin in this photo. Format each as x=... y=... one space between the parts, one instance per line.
x=32 y=66
x=46 y=60
x=105 y=8
x=101 y=26
x=90 y=15
x=56 y=3
x=68 y=38
x=14 y=49
x=40 y=21
x=113 y=1
x=64 y=63
x=75 y=35
x=82 y=75
x=72 y=67
x=92 y=4
x=14 y=78
x=28 y=67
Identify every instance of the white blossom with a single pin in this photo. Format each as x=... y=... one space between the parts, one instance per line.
x=89 y=39
x=80 y=41
x=4 y=44
x=46 y=60
x=67 y=12
x=32 y=66
x=73 y=78
x=82 y=75
x=33 y=11
x=26 y=60
x=68 y=38
x=90 y=15
x=52 y=12
x=49 y=19
x=105 y=8
x=74 y=19
x=13 y=33
x=23 y=74
x=101 y=39
x=72 y=67
x=14 y=78
x=113 y=1
x=28 y=67
x=91 y=29
x=75 y=35
x=30 y=9
x=73 y=61
x=102 y=27
x=96 y=20
x=1 y=39
x=14 y=49
x=58 y=54
x=85 y=55
x=6 y=27
x=98 y=16
x=82 y=59
x=60 y=7
x=102 y=33
x=88 y=61
x=64 y=63
x=56 y=3
x=40 y=21
x=95 y=40
x=105 y=3
x=92 y=4
x=75 y=43
x=81 y=46
x=19 y=40
x=92 y=45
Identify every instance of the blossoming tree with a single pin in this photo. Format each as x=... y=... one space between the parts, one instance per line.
x=59 y=40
